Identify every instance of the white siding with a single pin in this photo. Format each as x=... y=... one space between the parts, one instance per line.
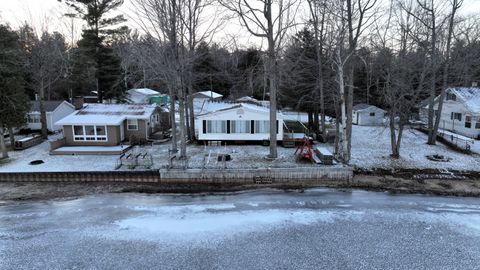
x=449 y=107
x=236 y=114
x=364 y=117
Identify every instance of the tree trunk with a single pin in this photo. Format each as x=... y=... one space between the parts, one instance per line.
x=173 y=122
x=431 y=111
x=445 y=72
x=3 y=147
x=348 y=111
x=272 y=76
x=393 y=139
x=11 y=136
x=342 y=123
x=187 y=119
x=191 y=115
x=183 y=143
x=315 y=119
x=43 y=114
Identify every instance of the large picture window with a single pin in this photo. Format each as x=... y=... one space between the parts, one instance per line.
x=240 y=126
x=132 y=124
x=89 y=133
x=216 y=126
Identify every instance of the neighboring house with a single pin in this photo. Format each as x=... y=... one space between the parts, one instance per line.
x=109 y=124
x=367 y=115
x=146 y=96
x=55 y=110
x=209 y=95
x=251 y=100
x=237 y=122
x=460 y=113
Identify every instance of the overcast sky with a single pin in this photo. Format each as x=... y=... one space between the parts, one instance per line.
x=48 y=14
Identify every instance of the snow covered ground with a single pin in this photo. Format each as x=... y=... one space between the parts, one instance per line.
x=243 y=156
x=371 y=149
x=19 y=161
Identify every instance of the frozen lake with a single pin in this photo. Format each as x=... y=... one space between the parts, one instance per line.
x=316 y=229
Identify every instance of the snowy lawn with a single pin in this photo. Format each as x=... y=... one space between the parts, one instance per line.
x=371 y=149
x=19 y=161
x=243 y=156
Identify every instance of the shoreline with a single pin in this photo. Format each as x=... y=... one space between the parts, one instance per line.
x=49 y=190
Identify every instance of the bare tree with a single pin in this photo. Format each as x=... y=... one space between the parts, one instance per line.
x=358 y=18
x=175 y=26
x=455 y=5
x=318 y=13
x=47 y=63
x=270 y=20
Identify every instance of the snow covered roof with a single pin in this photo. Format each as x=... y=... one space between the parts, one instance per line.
x=202 y=106
x=231 y=106
x=363 y=106
x=207 y=94
x=469 y=96
x=247 y=99
x=107 y=114
x=49 y=105
x=144 y=91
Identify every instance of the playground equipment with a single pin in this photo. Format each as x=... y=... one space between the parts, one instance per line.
x=316 y=155
x=305 y=151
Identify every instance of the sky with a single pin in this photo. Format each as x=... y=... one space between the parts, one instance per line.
x=49 y=15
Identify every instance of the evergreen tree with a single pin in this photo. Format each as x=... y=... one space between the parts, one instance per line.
x=13 y=101
x=94 y=60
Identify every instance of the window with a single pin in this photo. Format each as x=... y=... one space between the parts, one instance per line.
x=78 y=130
x=132 y=124
x=372 y=114
x=89 y=133
x=456 y=116
x=262 y=126
x=240 y=126
x=451 y=96
x=216 y=126
x=477 y=124
x=100 y=131
x=468 y=121
x=33 y=118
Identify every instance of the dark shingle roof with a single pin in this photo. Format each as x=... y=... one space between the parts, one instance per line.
x=49 y=106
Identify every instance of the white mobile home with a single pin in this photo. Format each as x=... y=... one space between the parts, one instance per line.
x=460 y=113
x=367 y=115
x=238 y=122
x=55 y=110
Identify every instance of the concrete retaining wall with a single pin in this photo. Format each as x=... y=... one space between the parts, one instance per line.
x=293 y=176
x=309 y=175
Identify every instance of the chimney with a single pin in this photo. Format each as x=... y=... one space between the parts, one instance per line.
x=78 y=102
x=474 y=84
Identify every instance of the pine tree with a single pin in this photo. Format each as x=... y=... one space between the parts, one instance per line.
x=13 y=101
x=94 y=59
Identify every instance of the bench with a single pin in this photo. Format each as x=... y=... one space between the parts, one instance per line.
x=326 y=157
